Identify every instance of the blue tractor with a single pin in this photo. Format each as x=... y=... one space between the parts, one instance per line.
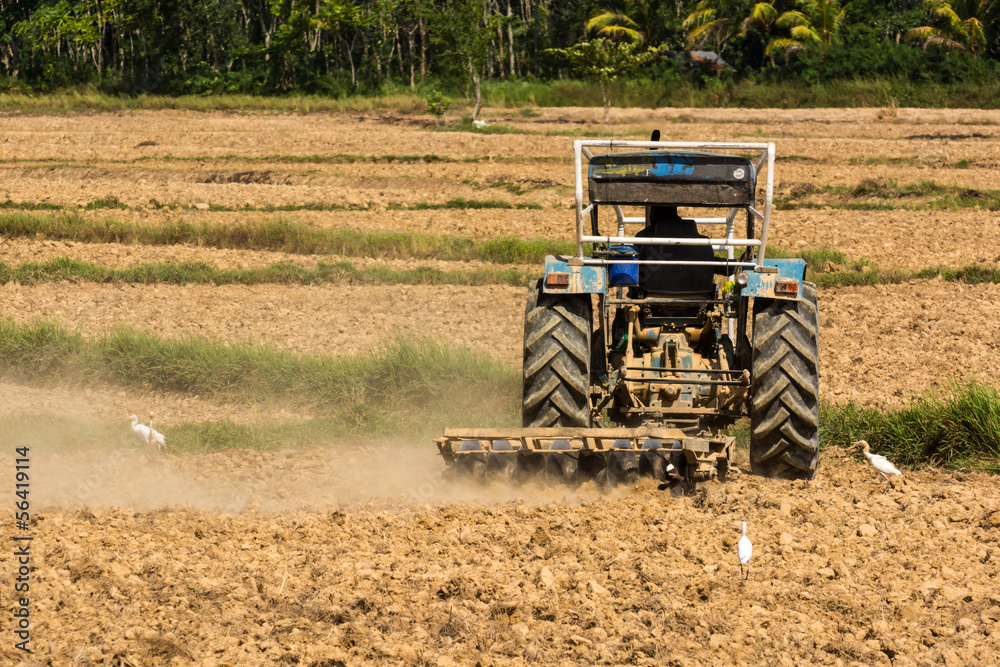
x=643 y=347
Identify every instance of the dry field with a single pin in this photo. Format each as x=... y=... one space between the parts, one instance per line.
x=362 y=555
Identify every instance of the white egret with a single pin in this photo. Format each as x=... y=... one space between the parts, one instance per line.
x=879 y=462
x=480 y=123
x=743 y=551
x=155 y=437
x=141 y=430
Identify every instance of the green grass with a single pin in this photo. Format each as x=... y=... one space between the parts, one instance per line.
x=30 y=206
x=466 y=204
x=874 y=276
x=279 y=235
x=960 y=429
x=284 y=236
x=343 y=272
x=416 y=388
x=402 y=387
x=88 y=99
x=937 y=197
x=856 y=273
x=633 y=93
x=114 y=203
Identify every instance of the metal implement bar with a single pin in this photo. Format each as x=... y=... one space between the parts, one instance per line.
x=642 y=221
x=768 y=194
x=706 y=371
x=577 y=166
x=659 y=262
x=649 y=240
x=660 y=301
x=592 y=441
x=684 y=381
x=579 y=144
x=561 y=432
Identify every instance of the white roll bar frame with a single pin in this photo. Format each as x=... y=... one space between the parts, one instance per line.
x=581 y=148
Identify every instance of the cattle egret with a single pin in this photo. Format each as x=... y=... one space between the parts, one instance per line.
x=141 y=430
x=480 y=123
x=879 y=462
x=155 y=437
x=744 y=550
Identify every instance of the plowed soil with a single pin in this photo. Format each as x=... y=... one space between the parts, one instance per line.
x=319 y=557
x=363 y=554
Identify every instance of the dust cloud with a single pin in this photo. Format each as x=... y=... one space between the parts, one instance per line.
x=378 y=475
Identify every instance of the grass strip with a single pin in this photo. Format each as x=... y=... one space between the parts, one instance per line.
x=400 y=387
x=830 y=268
x=473 y=204
x=407 y=387
x=890 y=192
x=969 y=275
x=343 y=272
x=460 y=203
x=314 y=158
x=282 y=236
x=826 y=267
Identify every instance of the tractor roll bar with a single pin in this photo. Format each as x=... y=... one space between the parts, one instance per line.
x=581 y=148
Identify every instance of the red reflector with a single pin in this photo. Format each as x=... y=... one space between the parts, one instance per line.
x=786 y=286
x=557 y=279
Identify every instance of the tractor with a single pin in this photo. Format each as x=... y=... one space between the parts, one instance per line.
x=646 y=346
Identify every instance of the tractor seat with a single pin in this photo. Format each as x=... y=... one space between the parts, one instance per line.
x=675 y=281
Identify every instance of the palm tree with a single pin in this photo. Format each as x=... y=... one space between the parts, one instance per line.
x=631 y=23
x=762 y=17
x=714 y=22
x=968 y=25
x=818 y=22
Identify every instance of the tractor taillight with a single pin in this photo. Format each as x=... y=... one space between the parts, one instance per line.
x=786 y=286
x=557 y=279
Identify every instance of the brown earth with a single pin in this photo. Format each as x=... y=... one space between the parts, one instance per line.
x=318 y=557
x=363 y=555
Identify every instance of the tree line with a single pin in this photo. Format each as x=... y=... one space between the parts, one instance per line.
x=340 y=47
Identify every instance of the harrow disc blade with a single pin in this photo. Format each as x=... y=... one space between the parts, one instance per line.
x=561 y=468
x=501 y=464
x=472 y=463
x=623 y=466
x=652 y=461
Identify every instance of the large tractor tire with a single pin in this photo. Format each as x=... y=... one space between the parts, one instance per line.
x=556 y=359
x=784 y=407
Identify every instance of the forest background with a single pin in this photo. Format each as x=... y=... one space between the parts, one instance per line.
x=513 y=52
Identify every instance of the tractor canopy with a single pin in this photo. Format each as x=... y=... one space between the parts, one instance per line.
x=672 y=178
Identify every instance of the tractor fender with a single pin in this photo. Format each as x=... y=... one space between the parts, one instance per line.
x=763 y=284
x=562 y=278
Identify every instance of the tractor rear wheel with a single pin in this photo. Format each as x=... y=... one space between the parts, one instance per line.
x=784 y=405
x=556 y=359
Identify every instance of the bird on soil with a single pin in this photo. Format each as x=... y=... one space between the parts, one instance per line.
x=147 y=434
x=879 y=462
x=141 y=430
x=744 y=549
x=155 y=437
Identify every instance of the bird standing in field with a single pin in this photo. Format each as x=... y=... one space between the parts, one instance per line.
x=744 y=549
x=155 y=437
x=879 y=462
x=147 y=434
x=141 y=430
x=480 y=123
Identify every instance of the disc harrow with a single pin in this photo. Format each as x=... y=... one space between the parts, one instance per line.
x=571 y=456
